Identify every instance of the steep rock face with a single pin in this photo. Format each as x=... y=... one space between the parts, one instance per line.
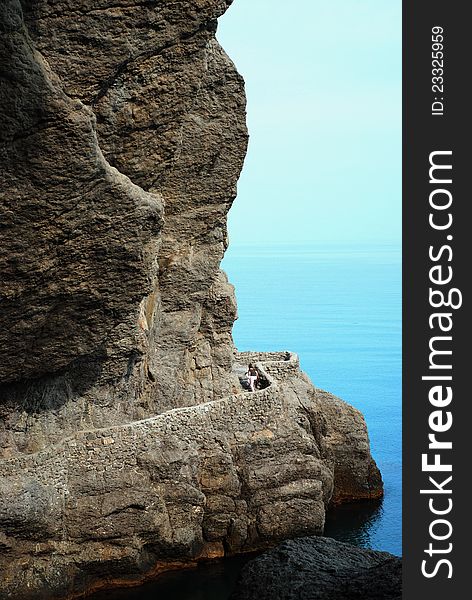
x=356 y=471
x=113 y=110
x=72 y=225
x=126 y=446
x=170 y=111
x=321 y=569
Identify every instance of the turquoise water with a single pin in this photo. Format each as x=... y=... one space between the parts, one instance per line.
x=339 y=308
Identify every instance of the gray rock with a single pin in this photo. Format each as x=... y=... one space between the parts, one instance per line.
x=126 y=445
x=122 y=137
x=226 y=477
x=317 y=568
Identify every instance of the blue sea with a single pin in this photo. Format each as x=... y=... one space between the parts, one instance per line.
x=339 y=308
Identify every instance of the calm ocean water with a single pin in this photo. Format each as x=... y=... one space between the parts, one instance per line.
x=339 y=308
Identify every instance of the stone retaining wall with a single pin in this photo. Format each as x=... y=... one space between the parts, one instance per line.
x=224 y=477
x=276 y=365
x=96 y=445
x=100 y=445
x=281 y=356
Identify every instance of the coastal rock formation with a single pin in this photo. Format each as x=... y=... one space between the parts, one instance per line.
x=126 y=444
x=118 y=504
x=110 y=312
x=317 y=568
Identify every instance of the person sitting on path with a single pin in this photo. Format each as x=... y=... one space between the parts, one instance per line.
x=252 y=375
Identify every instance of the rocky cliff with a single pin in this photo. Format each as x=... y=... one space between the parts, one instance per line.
x=126 y=444
x=111 y=110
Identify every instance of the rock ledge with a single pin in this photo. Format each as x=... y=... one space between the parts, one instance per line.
x=224 y=477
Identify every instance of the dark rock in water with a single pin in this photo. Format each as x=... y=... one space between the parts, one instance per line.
x=317 y=568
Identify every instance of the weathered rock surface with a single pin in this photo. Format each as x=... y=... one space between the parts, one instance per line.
x=228 y=476
x=126 y=446
x=110 y=312
x=317 y=568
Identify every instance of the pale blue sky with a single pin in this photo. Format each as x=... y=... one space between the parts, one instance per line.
x=323 y=81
